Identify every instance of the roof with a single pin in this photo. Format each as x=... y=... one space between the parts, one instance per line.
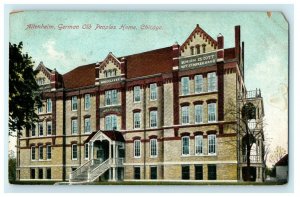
x=113 y=135
x=150 y=62
x=81 y=76
x=283 y=161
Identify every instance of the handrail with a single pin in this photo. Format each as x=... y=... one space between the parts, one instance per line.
x=96 y=172
x=80 y=169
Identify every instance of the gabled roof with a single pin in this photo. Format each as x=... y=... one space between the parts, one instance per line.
x=284 y=161
x=109 y=57
x=205 y=35
x=47 y=71
x=81 y=76
x=150 y=62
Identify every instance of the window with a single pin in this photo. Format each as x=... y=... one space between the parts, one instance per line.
x=74 y=103
x=211 y=144
x=212 y=172
x=33 y=128
x=74 y=151
x=153 y=91
x=73 y=169
x=136 y=94
x=137 y=120
x=153 y=119
x=153 y=147
x=111 y=122
x=137 y=148
x=185 y=85
x=41 y=152
x=137 y=173
x=41 y=176
x=111 y=97
x=198 y=172
x=203 y=48
x=185 y=172
x=153 y=172
x=32 y=173
x=185 y=115
x=87 y=101
x=74 y=126
x=49 y=128
x=86 y=151
x=87 y=125
x=198 y=49
x=32 y=153
x=198 y=144
x=185 y=145
x=40 y=109
x=49 y=105
x=48 y=152
x=48 y=173
x=192 y=50
x=212 y=82
x=198 y=113
x=198 y=83
x=212 y=112
x=41 y=129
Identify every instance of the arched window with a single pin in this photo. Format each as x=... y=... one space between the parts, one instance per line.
x=192 y=50
x=203 y=48
x=198 y=49
x=105 y=73
x=249 y=111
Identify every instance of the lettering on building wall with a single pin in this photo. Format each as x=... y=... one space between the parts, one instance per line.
x=196 y=61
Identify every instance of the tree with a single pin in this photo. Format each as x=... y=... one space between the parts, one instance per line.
x=12 y=167
x=277 y=154
x=249 y=129
x=23 y=90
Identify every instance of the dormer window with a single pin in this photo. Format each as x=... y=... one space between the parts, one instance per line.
x=41 y=81
x=192 y=50
x=203 y=48
x=105 y=73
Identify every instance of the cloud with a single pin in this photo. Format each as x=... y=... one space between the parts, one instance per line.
x=52 y=51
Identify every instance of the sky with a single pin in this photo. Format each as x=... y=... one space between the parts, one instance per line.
x=265 y=37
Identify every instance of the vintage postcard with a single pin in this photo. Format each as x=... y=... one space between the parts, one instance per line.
x=191 y=98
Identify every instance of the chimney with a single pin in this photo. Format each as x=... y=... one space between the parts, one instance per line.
x=220 y=53
x=237 y=42
x=53 y=79
x=123 y=66
x=175 y=48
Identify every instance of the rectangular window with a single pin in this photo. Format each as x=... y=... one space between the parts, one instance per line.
x=40 y=109
x=211 y=144
x=136 y=94
x=212 y=112
x=185 y=115
x=212 y=172
x=41 y=176
x=87 y=125
x=198 y=113
x=86 y=151
x=41 y=129
x=137 y=172
x=32 y=153
x=111 y=97
x=153 y=119
x=41 y=152
x=185 y=140
x=49 y=128
x=74 y=151
x=153 y=147
x=137 y=120
x=212 y=82
x=153 y=91
x=185 y=85
x=137 y=148
x=49 y=105
x=49 y=153
x=87 y=101
x=33 y=128
x=111 y=123
x=198 y=83
x=185 y=172
x=153 y=172
x=198 y=144
x=74 y=126
x=32 y=173
x=48 y=173
x=74 y=103
x=198 y=172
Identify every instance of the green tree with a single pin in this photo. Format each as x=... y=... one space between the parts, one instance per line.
x=23 y=90
x=12 y=165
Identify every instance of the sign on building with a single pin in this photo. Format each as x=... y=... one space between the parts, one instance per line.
x=196 y=61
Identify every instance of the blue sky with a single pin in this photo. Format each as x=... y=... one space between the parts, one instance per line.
x=265 y=37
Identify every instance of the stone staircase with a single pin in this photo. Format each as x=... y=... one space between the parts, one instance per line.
x=89 y=171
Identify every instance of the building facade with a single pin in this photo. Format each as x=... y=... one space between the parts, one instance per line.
x=156 y=115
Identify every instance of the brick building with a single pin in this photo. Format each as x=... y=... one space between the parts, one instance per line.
x=159 y=114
